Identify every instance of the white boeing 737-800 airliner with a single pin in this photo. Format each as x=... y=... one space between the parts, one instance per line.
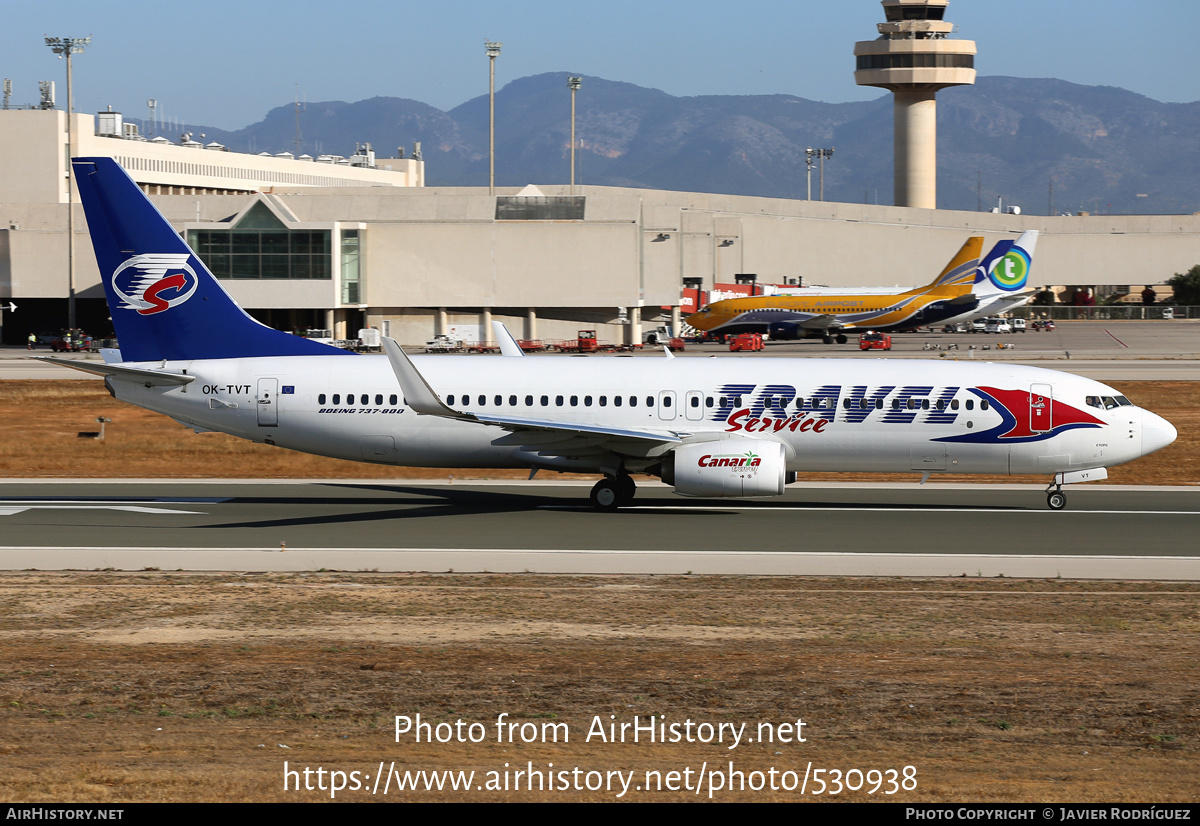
x=728 y=427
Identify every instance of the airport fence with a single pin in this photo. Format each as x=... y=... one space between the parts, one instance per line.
x=1115 y=312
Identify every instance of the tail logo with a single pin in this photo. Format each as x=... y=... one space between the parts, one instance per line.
x=154 y=282
x=1011 y=270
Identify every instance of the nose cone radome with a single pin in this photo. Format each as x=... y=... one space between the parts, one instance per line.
x=1157 y=432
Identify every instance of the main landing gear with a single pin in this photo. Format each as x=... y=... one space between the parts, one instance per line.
x=613 y=493
x=829 y=339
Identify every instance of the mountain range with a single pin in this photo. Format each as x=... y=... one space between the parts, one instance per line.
x=1043 y=144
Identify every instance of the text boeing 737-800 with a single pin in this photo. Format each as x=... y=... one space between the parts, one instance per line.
x=708 y=427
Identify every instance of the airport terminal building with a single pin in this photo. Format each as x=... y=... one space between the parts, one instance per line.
x=345 y=243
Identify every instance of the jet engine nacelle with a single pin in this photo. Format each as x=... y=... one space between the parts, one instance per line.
x=783 y=331
x=730 y=467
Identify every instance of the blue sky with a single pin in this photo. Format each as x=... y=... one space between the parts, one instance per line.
x=224 y=63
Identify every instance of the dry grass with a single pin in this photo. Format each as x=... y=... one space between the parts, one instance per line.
x=171 y=687
x=39 y=421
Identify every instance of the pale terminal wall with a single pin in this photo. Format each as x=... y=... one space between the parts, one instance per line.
x=435 y=258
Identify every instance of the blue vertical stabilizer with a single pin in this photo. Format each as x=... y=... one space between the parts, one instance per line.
x=165 y=303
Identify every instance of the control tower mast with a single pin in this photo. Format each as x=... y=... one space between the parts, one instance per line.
x=914 y=58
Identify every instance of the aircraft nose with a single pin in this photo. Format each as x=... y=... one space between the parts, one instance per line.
x=1157 y=432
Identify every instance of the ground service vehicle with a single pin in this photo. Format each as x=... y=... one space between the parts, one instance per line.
x=874 y=341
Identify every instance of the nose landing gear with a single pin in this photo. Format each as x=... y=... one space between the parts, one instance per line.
x=1056 y=499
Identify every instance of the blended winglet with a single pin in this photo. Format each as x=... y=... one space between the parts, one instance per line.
x=417 y=393
x=508 y=344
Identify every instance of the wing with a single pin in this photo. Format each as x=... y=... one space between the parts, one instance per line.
x=544 y=437
x=820 y=323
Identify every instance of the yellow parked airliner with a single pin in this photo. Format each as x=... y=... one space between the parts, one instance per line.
x=967 y=286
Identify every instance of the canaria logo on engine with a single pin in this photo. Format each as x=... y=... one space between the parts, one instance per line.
x=154 y=282
x=1011 y=270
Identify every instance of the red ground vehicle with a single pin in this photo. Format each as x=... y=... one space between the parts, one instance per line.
x=748 y=342
x=72 y=341
x=874 y=341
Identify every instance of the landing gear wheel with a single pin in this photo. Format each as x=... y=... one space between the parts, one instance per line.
x=827 y=339
x=606 y=495
x=626 y=488
x=841 y=339
x=1056 y=500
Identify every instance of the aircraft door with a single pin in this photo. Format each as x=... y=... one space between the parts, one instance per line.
x=694 y=406
x=267 y=402
x=666 y=405
x=1041 y=408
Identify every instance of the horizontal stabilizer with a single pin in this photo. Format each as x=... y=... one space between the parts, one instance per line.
x=148 y=377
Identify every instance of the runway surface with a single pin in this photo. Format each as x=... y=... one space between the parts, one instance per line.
x=817 y=529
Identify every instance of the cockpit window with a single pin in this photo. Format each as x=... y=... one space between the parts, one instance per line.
x=1092 y=401
x=1123 y=402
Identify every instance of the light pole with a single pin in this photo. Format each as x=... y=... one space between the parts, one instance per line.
x=573 y=83
x=823 y=154
x=65 y=47
x=808 y=162
x=493 y=51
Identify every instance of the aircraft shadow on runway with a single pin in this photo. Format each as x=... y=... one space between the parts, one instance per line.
x=412 y=502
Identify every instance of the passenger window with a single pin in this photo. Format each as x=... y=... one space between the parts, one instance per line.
x=649 y=401
x=708 y=401
x=617 y=400
x=879 y=404
x=379 y=400
x=970 y=404
x=545 y=401
x=529 y=401
x=587 y=401
x=349 y=398
x=574 y=401
x=954 y=404
x=392 y=400
x=321 y=399
x=912 y=404
x=895 y=404
x=482 y=401
x=666 y=401
x=604 y=401
x=498 y=400
x=558 y=400
x=633 y=401
x=364 y=399
x=512 y=401
x=450 y=400
x=337 y=398
x=983 y=404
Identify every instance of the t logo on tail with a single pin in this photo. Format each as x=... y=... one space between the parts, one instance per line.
x=1009 y=273
x=154 y=282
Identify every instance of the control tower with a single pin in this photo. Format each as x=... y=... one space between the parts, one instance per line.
x=914 y=57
